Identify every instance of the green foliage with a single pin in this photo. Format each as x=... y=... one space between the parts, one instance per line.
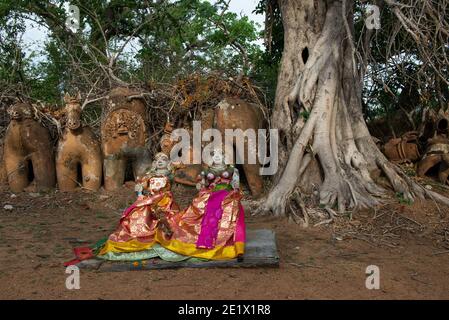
x=397 y=80
x=403 y=200
x=305 y=115
x=195 y=36
x=12 y=62
x=166 y=40
x=169 y=39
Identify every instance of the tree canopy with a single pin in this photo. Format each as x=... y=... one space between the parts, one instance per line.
x=162 y=40
x=130 y=41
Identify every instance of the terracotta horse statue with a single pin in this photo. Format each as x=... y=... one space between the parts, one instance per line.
x=78 y=149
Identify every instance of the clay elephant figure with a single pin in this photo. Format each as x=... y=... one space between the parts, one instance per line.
x=231 y=113
x=78 y=148
x=28 y=146
x=124 y=137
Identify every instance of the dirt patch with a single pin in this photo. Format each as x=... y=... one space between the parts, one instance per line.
x=409 y=243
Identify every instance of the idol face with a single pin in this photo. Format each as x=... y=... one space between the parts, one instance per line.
x=217 y=157
x=162 y=162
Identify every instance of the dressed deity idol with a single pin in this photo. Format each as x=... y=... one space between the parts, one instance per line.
x=153 y=211
x=213 y=226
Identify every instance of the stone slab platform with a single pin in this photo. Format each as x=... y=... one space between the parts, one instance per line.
x=260 y=252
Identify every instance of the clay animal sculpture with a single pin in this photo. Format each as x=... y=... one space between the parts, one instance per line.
x=404 y=149
x=3 y=176
x=78 y=152
x=231 y=113
x=437 y=153
x=28 y=152
x=124 y=137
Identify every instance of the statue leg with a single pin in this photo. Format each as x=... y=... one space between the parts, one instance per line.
x=254 y=179
x=16 y=171
x=91 y=169
x=3 y=179
x=114 y=173
x=44 y=169
x=444 y=170
x=66 y=173
x=251 y=169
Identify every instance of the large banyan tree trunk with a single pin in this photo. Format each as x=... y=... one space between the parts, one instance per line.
x=318 y=112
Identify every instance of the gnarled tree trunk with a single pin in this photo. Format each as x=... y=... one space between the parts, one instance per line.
x=319 y=113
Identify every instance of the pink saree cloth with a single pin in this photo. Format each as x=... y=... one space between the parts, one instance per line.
x=211 y=221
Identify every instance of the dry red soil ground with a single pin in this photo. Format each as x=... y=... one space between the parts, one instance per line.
x=409 y=243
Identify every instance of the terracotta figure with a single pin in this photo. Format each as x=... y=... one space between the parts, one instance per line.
x=78 y=146
x=28 y=147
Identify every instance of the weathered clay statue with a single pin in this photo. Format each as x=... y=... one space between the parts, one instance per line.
x=184 y=174
x=124 y=137
x=437 y=154
x=78 y=148
x=3 y=179
x=404 y=149
x=231 y=113
x=28 y=146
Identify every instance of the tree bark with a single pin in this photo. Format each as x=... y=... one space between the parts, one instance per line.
x=318 y=112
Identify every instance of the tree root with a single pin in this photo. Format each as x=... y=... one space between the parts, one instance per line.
x=336 y=131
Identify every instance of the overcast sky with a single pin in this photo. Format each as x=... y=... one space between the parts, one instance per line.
x=35 y=36
x=246 y=7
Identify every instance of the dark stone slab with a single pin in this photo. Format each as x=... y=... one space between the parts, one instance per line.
x=260 y=252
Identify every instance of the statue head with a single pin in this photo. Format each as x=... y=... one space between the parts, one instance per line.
x=161 y=161
x=218 y=157
x=20 y=111
x=72 y=111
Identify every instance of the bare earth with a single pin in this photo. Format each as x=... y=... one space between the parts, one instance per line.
x=409 y=244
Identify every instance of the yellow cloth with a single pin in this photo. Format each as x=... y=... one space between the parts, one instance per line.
x=217 y=253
